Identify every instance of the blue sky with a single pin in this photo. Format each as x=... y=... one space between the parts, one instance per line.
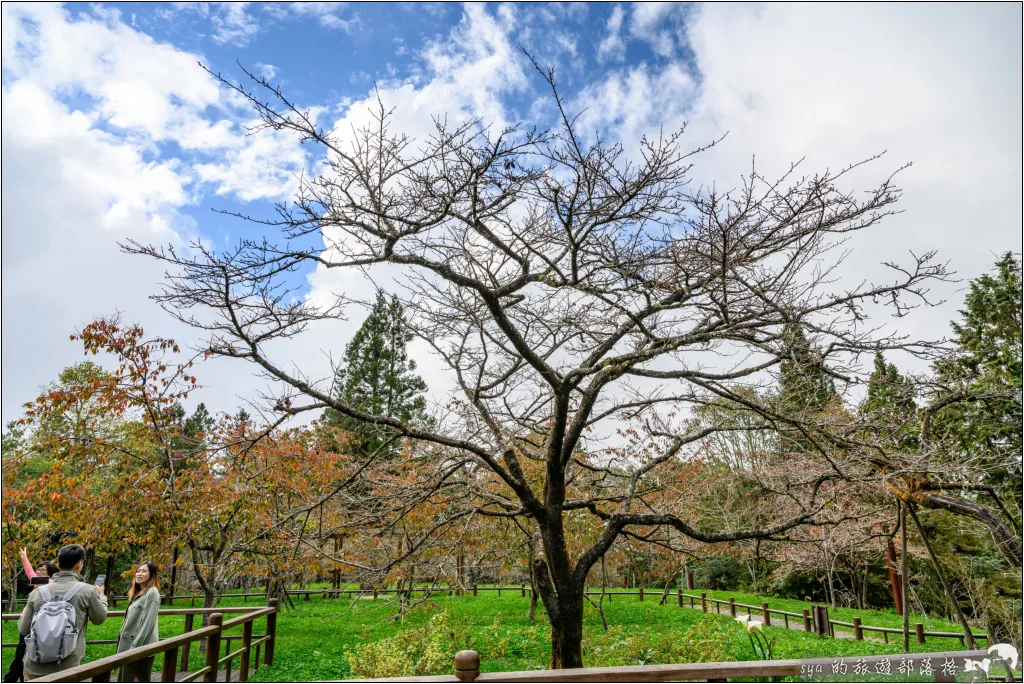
x=111 y=131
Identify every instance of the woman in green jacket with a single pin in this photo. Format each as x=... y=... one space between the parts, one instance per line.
x=140 y=622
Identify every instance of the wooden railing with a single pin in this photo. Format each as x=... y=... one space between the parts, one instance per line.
x=941 y=667
x=815 y=619
x=171 y=648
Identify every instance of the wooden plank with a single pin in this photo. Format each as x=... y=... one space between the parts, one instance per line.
x=699 y=671
x=89 y=670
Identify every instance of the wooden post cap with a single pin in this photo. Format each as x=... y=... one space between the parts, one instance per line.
x=467 y=665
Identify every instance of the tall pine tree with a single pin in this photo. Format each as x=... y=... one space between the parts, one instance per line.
x=988 y=360
x=805 y=389
x=890 y=406
x=378 y=377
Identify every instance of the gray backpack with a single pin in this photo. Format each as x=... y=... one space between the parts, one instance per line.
x=54 y=633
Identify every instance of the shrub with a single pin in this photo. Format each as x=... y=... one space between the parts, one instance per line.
x=423 y=650
x=720 y=573
x=703 y=643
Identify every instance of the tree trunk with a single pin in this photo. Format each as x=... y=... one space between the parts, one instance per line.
x=894 y=579
x=565 y=613
x=567 y=636
x=1003 y=535
x=904 y=577
x=942 y=580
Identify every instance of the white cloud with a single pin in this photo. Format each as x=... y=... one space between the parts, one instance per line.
x=70 y=193
x=266 y=167
x=467 y=73
x=612 y=46
x=139 y=84
x=328 y=14
x=79 y=179
x=647 y=24
x=233 y=25
x=267 y=71
x=838 y=83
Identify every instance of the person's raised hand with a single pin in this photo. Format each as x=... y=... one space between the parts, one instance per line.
x=100 y=590
x=24 y=552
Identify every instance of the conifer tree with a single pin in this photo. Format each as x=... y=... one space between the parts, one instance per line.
x=890 y=405
x=805 y=389
x=988 y=360
x=378 y=377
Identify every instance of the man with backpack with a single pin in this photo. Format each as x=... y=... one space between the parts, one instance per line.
x=56 y=616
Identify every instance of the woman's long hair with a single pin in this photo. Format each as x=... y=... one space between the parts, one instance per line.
x=140 y=589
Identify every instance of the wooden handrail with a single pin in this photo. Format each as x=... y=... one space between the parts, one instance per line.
x=82 y=672
x=167 y=611
x=849 y=668
x=99 y=670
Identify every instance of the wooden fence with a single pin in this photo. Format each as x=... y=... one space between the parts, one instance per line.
x=815 y=619
x=176 y=649
x=941 y=667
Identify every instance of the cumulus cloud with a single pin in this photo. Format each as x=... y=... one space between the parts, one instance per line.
x=466 y=75
x=612 y=47
x=328 y=14
x=836 y=84
x=79 y=179
x=648 y=23
x=233 y=25
x=830 y=83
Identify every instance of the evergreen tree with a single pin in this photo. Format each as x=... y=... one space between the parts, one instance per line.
x=890 y=406
x=378 y=377
x=805 y=389
x=987 y=360
x=803 y=384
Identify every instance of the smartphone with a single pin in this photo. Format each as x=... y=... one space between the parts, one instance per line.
x=101 y=580
x=39 y=580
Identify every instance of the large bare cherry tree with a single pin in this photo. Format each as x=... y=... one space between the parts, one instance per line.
x=571 y=287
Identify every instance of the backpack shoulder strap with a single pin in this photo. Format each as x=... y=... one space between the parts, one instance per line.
x=44 y=591
x=73 y=590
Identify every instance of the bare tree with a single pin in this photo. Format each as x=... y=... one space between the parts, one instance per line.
x=566 y=287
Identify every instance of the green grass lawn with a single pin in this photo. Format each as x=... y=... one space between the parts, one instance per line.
x=313 y=637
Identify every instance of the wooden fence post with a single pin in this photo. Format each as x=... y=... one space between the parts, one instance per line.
x=189 y=622
x=243 y=663
x=807 y=620
x=268 y=652
x=919 y=631
x=522 y=590
x=704 y=601
x=689 y=581
x=822 y=624
x=679 y=593
x=170 y=667
x=858 y=633
x=641 y=594
x=467 y=666
x=474 y=589
x=767 y=615
x=227 y=663
x=213 y=648
x=732 y=606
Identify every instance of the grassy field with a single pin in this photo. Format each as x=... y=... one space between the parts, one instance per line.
x=316 y=638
